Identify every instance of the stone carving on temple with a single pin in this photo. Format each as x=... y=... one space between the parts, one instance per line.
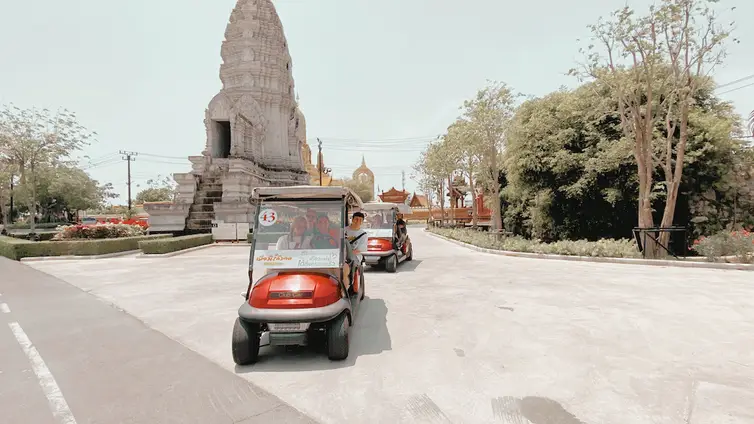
x=254 y=128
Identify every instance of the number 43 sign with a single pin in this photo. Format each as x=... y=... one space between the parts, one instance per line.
x=268 y=217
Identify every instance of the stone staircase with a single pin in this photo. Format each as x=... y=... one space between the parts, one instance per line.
x=202 y=211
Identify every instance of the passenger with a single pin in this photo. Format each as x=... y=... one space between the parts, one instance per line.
x=311 y=221
x=357 y=239
x=400 y=230
x=376 y=222
x=296 y=238
x=322 y=237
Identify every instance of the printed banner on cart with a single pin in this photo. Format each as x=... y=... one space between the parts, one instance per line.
x=319 y=258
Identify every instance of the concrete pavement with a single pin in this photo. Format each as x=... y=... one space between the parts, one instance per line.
x=466 y=337
x=108 y=367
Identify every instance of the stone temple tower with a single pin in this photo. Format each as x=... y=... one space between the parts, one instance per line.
x=254 y=129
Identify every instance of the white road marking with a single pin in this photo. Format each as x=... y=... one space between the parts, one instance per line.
x=50 y=388
x=4 y=308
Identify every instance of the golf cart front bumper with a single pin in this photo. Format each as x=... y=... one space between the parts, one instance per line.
x=251 y=314
x=374 y=257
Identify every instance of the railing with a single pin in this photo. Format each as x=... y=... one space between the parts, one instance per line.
x=654 y=234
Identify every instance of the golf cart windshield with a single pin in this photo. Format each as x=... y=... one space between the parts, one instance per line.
x=297 y=234
x=379 y=223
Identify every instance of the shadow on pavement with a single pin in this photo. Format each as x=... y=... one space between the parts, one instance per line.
x=532 y=409
x=409 y=266
x=370 y=336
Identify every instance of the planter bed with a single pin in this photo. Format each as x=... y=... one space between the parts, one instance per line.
x=18 y=249
x=174 y=244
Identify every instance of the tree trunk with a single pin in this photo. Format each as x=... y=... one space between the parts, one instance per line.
x=429 y=206
x=4 y=210
x=452 y=201
x=474 y=212
x=674 y=183
x=33 y=201
x=646 y=220
x=441 y=200
x=497 y=213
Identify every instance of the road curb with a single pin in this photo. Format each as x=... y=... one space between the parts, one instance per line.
x=78 y=258
x=176 y=253
x=628 y=261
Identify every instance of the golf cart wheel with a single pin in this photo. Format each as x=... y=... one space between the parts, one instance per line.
x=391 y=264
x=337 y=338
x=245 y=343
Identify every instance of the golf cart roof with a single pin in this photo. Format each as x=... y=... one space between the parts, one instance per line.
x=379 y=206
x=307 y=192
x=384 y=206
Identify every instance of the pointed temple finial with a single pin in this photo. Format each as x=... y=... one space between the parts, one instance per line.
x=363 y=161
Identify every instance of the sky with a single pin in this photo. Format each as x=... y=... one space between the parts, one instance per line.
x=371 y=75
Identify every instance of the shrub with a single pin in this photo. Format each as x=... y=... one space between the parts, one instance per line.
x=17 y=249
x=8 y=246
x=98 y=231
x=602 y=248
x=42 y=236
x=38 y=225
x=155 y=247
x=727 y=243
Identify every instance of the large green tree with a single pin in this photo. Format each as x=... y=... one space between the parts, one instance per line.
x=487 y=118
x=570 y=171
x=654 y=65
x=34 y=140
x=363 y=189
x=160 y=189
x=64 y=190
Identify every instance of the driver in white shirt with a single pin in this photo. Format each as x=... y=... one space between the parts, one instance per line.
x=357 y=239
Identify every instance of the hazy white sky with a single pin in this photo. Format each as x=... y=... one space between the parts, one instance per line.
x=141 y=72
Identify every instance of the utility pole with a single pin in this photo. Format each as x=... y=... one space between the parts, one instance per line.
x=319 y=159
x=129 y=157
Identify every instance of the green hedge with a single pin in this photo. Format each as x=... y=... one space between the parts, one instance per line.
x=8 y=246
x=623 y=248
x=156 y=247
x=42 y=236
x=38 y=225
x=17 y=248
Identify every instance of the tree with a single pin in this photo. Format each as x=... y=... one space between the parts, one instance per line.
x=654 y=65
x=7 y=175
x=488 y=116
x=32 y=139
x=362 y=188
x=429 y=178
x=64 y=190
x=439 y=164
x=161 y=189
x=463 y=143
x=570 y=171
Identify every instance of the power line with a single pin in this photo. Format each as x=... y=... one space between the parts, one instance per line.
x=736 y=89
x=728 y=84
x=376 y=140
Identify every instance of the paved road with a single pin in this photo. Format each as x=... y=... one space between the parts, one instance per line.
x=464 y=337
x=67 y=357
